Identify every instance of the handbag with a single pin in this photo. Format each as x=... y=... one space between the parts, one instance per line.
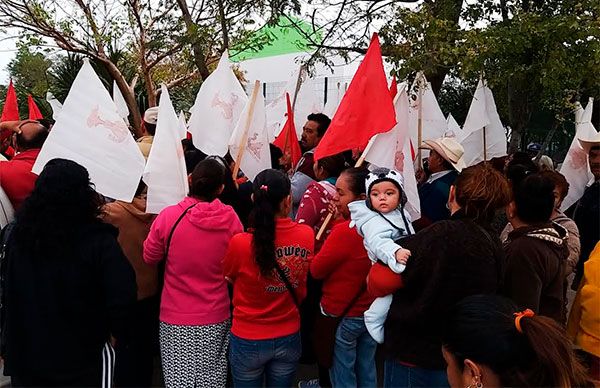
x=325 y=330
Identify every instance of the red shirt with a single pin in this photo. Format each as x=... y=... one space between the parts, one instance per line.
x=262 y=306
x=16 y=177
x=343 y=264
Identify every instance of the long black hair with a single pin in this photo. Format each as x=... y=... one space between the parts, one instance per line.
x=62 y=201
x=270 y=188
x=482 y=328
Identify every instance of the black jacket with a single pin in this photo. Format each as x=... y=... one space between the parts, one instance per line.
x=59 y=310
x=536 y=258
x=450 y=260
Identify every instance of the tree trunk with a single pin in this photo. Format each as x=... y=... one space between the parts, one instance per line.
x=127 y=92
x=199 y=57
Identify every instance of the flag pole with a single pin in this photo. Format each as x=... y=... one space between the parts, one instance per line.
x=298 y=85
x=420 y=119
x=242 y=145
x=484 y=145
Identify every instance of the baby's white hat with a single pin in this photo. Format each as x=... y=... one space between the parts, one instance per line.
x=382 y=174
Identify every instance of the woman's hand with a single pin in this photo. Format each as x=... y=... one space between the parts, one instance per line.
x=332 y=209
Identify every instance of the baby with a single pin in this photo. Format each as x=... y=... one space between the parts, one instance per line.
x=380 y=220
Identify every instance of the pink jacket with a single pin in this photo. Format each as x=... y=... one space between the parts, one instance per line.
x=195 y=291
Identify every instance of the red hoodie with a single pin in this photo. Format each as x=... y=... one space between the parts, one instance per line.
x=195 y=291
x=262 y=306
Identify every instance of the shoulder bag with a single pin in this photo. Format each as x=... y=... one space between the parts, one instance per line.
x=325 y=329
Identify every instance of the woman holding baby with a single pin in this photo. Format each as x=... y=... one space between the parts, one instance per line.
x=449 y=260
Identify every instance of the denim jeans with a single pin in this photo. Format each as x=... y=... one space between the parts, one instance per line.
x=273 y=361
x=398 y=375
x=353 y=355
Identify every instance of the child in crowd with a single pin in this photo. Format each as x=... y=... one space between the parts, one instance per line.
x=381 y=219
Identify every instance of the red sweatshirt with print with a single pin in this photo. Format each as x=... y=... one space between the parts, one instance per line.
x=262 y=305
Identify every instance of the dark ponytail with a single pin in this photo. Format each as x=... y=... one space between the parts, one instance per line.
x=482 y=328
x=270 y=188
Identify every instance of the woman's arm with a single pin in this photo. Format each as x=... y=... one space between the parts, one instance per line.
x=155 y=244
x=383 y=281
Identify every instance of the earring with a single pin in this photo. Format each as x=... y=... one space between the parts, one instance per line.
x=476 y=383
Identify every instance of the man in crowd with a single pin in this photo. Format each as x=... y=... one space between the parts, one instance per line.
x=16 y=177
x=445 y=162
x=312 y=133
x=587 y=210
x=149 y=127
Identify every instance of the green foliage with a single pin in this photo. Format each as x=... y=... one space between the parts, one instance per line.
x=538 y=57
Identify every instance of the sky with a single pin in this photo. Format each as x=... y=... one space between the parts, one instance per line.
x=8 y=50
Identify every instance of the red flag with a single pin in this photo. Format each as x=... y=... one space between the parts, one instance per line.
x=287 y=141
x=394 y=87
x=10 y=112
x=366 y=109
x=34 y=111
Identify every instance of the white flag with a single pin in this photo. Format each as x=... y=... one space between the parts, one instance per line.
x=182 y=126
x=575 y=167
x=250 y=137
x=120 y=101
x=392 y=150
x=217 y=109
x=454 y=129
x=165 y=172
x=433 y=124
x=91 y=132
x=7 y=212
x=54 y=104
x=483 y=116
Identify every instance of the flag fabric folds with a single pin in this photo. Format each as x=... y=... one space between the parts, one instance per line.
x=217 y=108
x=393 y=150
x=287 y=141
x=575 y=167
x=482 y=116
x=366 y=109
x=34 y=111
x=250 y=138
x=91 y=132
x=120 y=102
x=165 y=172
x=54 y=104
x=433 y=121
x=10 y=111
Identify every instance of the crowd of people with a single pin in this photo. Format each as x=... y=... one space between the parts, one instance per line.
x=235 y=286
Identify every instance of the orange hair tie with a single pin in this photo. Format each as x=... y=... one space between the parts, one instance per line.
x=526 y=313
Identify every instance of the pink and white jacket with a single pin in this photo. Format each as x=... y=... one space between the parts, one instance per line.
x=195 y=290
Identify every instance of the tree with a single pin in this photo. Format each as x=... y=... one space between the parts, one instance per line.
x=538 y=56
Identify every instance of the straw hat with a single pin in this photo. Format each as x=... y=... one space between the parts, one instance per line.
x=449 y=149
x=588 y=141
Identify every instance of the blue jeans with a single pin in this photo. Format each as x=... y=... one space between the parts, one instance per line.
x=398 y=375
x=274 y=360
x=353 y=355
